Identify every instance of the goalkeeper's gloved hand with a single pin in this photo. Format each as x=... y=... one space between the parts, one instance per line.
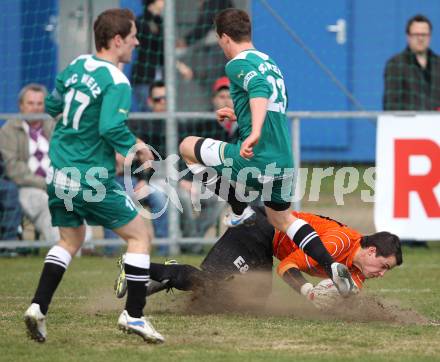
x=322 y=296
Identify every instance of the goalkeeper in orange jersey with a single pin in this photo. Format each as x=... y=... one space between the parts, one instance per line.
x=251 y=249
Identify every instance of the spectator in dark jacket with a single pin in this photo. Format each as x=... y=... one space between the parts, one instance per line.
x=148 y=66
x=412 y=77
x=205 y=20
x=198 y=47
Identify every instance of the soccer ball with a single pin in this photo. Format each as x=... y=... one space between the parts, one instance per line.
x=324 y=295
x=327 y=286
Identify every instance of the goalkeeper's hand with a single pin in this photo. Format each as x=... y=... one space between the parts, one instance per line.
x=323 y=296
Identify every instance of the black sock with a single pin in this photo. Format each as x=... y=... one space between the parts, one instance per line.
x=137 y=279
x=318 y=252
x=309 y=241
x=182 y=277
x=49 y=280
x=56 y=262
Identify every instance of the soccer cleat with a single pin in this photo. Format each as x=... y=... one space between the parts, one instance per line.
x=35 y=323
x=121 y=281
x=247 y=218
x=342 y=279
x=140 y=326
x=154 y=286
x=171 y=262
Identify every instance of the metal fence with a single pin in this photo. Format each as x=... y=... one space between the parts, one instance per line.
x=174 y=238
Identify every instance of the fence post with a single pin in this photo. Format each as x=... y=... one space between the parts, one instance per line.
x=171 y=121
x=296 y=150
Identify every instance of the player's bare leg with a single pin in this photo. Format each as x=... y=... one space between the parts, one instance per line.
x=302 y=234
x=137 y=267
x=57 y=260
x=241 y=214
x=186 y=149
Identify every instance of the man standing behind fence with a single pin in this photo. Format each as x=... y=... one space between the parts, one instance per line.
x=412 y=77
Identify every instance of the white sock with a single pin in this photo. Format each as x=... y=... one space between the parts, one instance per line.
x=59 y=256
x=137 y=260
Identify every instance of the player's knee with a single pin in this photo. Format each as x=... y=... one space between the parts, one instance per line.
x=138 y=245
x=136 y=234
x=186 y=148
x=72 y=248
x=280 y=220
x=272 y=217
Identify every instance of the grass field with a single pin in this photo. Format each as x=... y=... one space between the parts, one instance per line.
x=82 y=320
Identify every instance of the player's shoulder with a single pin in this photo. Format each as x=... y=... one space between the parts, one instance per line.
x=251 y=57
x=341 y=239
x=80 y=59
x=102 y=69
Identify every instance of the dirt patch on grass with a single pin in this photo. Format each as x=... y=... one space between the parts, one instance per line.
x=251 y=294
x=368 y=308
x=102 y=301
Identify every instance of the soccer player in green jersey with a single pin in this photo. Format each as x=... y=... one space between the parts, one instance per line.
x=93 y=98
x=262 y=158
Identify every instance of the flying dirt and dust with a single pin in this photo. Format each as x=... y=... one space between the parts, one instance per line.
x=252 y=294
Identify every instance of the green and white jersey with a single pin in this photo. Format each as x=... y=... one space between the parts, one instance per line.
x=254 y=74
x=94 y=97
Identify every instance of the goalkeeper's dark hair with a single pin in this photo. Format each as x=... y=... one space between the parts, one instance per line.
x=386 y=245
x=234 y=23
x=110 y=23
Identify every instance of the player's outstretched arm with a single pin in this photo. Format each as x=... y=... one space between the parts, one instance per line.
x=323 y=296
x=295 y=279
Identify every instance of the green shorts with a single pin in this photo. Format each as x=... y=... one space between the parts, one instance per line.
x=271 y=176
x=111 y=209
